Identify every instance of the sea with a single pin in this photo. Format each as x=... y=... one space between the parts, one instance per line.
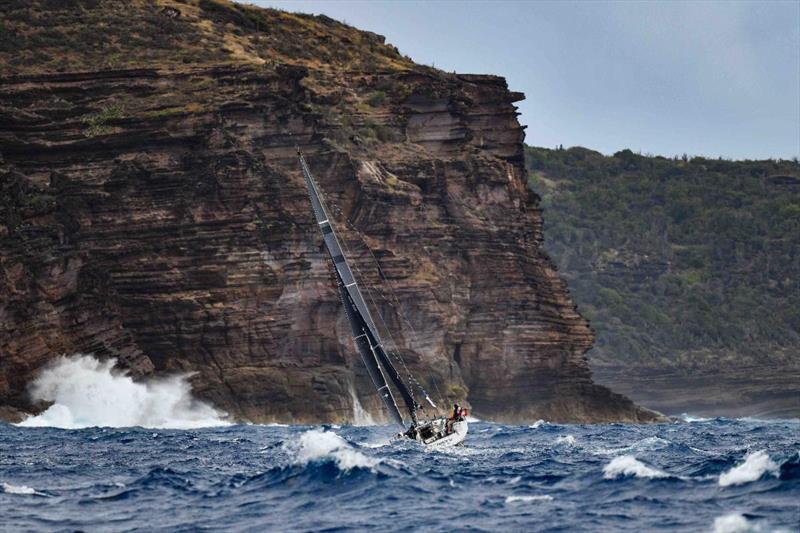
x=718 y=475
x=114 y=455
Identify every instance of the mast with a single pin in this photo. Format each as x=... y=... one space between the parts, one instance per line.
x=365 y=333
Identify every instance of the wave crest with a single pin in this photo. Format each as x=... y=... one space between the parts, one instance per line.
x=755 y=465
x=317 y=445
x=8 y=488
x=628 y=465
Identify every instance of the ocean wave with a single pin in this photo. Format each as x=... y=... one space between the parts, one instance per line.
x=536 y=425
x=689 y=418
x=628 y=465
x=642 y=445
x=738 y=523
x=790 y=469
x=754 y=467
x=317 y=445
x=567 y=440
x=536 y=498
x=90 y=393
x=22 y=490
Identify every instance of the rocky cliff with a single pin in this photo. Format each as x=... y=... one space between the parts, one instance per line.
x=152 y=210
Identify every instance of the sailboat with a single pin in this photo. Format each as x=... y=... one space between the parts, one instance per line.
x=439 y=431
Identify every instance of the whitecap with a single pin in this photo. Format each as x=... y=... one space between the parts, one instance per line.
x=567 y=440
x=378 y=444
x=628 y=465
x=734 y=523
x=689 y=418
x=316 y=445
x=537 y=424
x=514 y=480
x=8 y=488
x=537 y=498
x=87 y=392
x=755 y=465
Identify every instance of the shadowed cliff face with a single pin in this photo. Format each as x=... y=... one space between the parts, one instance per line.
x=158 y=215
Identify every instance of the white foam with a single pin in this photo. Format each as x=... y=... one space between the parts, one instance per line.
x=734 y=523
x=514 y=480
x=88 y=393
x=472 y=420
x=316 y=444
x=8 y=488
x=689 y=418
x=567 y=440
x=537 y=498
x=755 y=465
x=628 y=465
x=537 y=424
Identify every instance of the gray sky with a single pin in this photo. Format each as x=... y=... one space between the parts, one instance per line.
x=713 y=78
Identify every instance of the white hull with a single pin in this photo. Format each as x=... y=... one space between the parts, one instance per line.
x=453 y=439
x=435 y=433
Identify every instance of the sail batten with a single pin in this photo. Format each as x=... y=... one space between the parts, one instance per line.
x=365 y=333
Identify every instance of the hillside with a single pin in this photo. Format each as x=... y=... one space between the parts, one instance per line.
x=152 y=210
x=689 y=271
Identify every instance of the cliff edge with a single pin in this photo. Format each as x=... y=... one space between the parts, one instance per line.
x=152 y=210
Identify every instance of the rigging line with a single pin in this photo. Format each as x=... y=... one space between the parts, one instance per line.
x=346 y=249
x=394 y=352
x=399 y=309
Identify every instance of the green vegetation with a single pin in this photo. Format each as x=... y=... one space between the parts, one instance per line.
x=79 y=35
x=678 y=263
x=97 y=123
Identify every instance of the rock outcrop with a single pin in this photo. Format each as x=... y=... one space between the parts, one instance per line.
x=153 y=211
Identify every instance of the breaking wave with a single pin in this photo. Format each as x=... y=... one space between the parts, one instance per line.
x=628 y=465
x=755 y=465
x=8 y=488
x=566 y=440
x=537 y=498
x=319 y=446
x=737 y=523
x=87 y=392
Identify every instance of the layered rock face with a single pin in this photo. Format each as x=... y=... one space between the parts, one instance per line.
x=158 y=215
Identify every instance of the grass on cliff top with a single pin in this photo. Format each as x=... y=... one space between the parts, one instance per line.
x=679 y=263
x=45 y=36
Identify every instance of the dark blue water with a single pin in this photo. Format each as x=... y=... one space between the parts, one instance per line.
x=543 y=478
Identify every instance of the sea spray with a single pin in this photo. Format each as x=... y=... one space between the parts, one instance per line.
x=87 y=392
x=755 y=465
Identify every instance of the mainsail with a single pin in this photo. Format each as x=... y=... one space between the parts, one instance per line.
x=365 y=334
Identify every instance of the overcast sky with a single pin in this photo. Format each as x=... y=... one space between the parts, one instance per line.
x=704 y=78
